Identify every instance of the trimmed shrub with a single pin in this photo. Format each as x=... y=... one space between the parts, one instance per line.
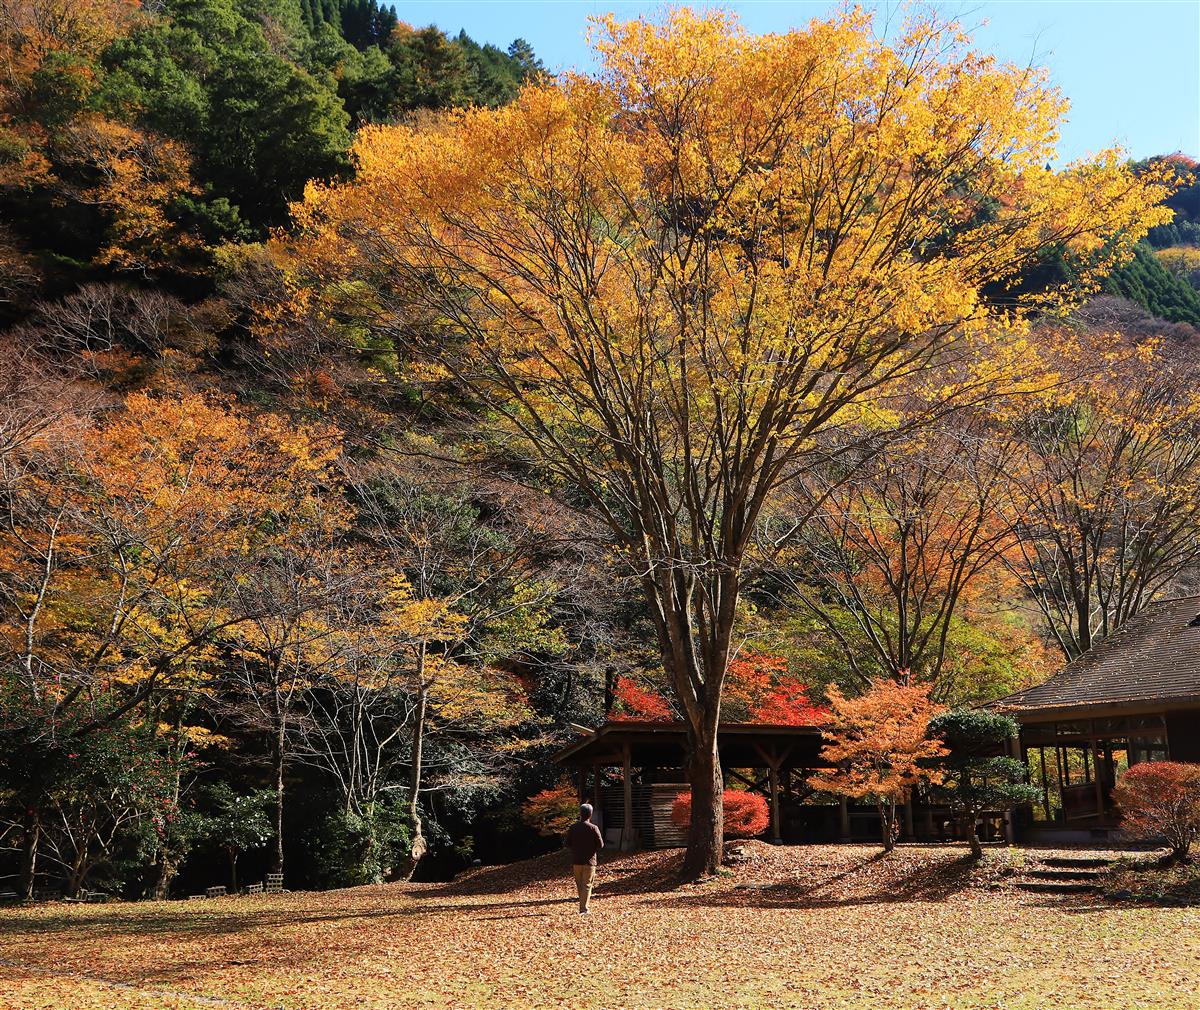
x=973 y=782
x=1161 y=800
x=746 y=814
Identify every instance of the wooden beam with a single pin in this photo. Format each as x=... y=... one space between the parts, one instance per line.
x=844 y=819
x=1045 y=783
x=597 y=799
x=754 y=787
x=1017 y=753
x=774 y=758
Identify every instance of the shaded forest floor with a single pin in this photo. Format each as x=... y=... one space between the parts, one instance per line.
x=805 y=927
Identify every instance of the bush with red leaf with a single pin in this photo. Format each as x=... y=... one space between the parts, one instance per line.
x=1161 y=800
x=746 y=814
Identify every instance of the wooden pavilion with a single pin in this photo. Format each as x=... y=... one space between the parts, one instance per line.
x=631 y=772
x=1134 y=697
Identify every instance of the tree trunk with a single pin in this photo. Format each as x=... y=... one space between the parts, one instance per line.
x=372 y=851
x=233 y=858
x=277 y=856
x=695 y=650
x=419 y=845
x=972 y=837
x=706 y=831
x=887 y=823
x=77 y=875
x=165 y=866
x=29 y=851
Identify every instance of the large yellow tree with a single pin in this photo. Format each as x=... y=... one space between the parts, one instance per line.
x=661 y=283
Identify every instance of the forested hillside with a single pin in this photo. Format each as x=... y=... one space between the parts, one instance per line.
x=1163 y=276
x=320 y=496
x=138 y=140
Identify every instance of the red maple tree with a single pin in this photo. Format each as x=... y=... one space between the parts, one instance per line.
x=760 y=687
x=634 y=702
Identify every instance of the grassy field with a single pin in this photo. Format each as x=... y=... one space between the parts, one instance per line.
x=831 y=927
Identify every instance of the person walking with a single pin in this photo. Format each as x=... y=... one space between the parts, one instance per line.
x=584 y=840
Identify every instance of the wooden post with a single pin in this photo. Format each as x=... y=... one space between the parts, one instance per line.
x=1045 y=783
x=627 y=786
x=1016 y=752
x=582 y=784
x=773 y=782
x=598 y=799
x=844 y=819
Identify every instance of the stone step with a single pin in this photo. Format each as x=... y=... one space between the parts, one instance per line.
x=1053 y=873
x=1057 y=886
x=1078 y=862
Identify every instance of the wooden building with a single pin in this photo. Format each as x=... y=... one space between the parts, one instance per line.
x=632 y=771
x=1134 y=697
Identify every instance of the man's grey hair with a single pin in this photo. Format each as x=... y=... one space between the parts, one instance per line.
x=585 y=811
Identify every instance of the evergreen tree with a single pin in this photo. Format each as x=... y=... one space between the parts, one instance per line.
x=1144 y=280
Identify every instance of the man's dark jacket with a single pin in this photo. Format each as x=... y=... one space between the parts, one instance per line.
x=584 y=841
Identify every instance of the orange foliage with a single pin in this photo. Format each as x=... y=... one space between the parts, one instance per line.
x=1107 y=485
x=788 y=704
x=77 y=153
x=124 y=546
x=759 y=689
x=136 y=174
x=878 y=747
x=551 y=811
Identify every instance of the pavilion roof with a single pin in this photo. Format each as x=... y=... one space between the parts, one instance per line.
x=666 y=738
x=1152 y=659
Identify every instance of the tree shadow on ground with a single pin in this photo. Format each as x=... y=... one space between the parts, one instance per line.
x=91 y=928
x=619 y=873
x=862 y=883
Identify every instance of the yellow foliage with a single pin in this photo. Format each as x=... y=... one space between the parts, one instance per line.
x=720 y=223
x=1181 y=260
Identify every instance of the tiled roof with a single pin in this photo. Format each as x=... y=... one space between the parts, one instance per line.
x=1154 y=656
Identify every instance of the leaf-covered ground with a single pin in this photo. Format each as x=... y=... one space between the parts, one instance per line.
x=830 y=927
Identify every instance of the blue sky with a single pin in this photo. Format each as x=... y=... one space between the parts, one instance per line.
x=1131 y=68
